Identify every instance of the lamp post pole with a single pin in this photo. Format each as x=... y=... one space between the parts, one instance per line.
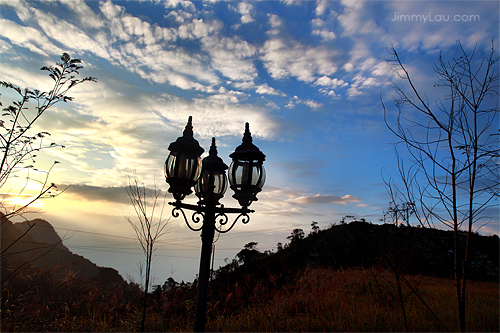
x=207 y=237
x=185 y=169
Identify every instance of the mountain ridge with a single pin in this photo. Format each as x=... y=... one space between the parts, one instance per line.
x=36 y=243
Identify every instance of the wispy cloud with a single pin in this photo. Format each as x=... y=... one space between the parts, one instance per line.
x=324 y=199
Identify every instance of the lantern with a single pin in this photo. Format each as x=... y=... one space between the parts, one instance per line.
x=246 y=172
x=212 y=183
x=183 y=164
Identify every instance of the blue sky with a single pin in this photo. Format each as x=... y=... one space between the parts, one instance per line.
x=306 y=75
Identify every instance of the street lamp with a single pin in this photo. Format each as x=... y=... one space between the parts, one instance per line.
x=185 y=169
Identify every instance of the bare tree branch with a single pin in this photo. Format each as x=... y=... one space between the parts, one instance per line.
x=452 y=149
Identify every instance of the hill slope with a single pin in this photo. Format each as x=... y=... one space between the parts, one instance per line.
x=42 y=232
x=360 y=244
x=40 y=246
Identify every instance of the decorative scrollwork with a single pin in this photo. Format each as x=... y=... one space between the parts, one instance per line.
x=197 y=217
x=177 y=211
x=244 y=219
x=221 y=218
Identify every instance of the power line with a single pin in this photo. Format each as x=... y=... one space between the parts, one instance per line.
x=158 y=255
x=239 y=235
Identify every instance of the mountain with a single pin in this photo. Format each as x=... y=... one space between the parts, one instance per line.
x=36 y=243
x=42 y=232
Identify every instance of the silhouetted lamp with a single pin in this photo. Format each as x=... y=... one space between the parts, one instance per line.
x=185 y=169
x=212 y=183
x=246 y=173
x=183 y=165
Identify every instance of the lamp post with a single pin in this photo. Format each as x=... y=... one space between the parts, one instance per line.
x=185 y=169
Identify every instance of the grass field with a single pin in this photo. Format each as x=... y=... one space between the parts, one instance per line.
x=366 y=300
x=318 y=299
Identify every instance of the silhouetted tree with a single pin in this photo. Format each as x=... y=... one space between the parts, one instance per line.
x=297 y=234
x=344 y=218
x=148 y=227
x=314 y=227
x=399 y=213
x=248 y=252
x=19 y=146
x=452 y=172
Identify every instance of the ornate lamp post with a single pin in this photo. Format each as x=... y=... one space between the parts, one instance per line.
x=185 y=169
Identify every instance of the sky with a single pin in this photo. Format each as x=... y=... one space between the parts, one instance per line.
x=308 y=76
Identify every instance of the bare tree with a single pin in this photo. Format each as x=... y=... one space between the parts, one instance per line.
x=19 y=147
x=148 y=227
x=452 y=171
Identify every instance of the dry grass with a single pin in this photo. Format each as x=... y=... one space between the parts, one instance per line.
x=317 y=299
x=358 y=300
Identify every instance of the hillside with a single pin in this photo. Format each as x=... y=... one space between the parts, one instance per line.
x=41 y=247
x=361 y=244
x=42 y=232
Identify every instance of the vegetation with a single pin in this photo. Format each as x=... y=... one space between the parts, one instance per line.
x=148 y=229
x=20 y=146
x=339 y=279
x=450 y=173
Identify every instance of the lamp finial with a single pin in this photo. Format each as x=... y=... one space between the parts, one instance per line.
x=213 y=148
x=247 y=136
x=188 y=131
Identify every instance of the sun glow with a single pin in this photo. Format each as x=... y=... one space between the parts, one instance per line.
x=20 y=201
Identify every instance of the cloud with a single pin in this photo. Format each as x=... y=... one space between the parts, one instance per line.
x=283 y=59
x=245 y=9
x=232 y=57
x=353 y=20
x=27 y=37
x=274 y=20
x=292 y=2
x=123 y=39
x=25 y=78
x=308 y=168
x=309 y=102
x=97 y=193
x=325 y=34
x=85 y=14
x=278 y=201
x=324 y=199
x=68 y=35
x=264 y=89
x=179 y=3
x=321 y=6
x=333 y=83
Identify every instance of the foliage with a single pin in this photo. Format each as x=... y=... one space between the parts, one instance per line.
x=19 y=147
x=297 y=234
x=314 y=227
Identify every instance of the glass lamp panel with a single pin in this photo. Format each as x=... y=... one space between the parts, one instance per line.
x=169 y=166
x=230 y=174
x=243 y=173
x=220 y=182
x=262 y=179
x=189 y=166
x=201 y=186
x=256 y=173
x=183 y=166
